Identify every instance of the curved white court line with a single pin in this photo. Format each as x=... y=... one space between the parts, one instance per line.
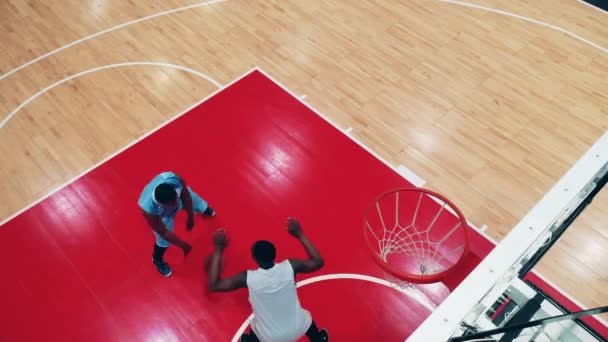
x=124 y=148
x=410 y=292
x=592 y=6
x=110 y=66
x=128 y=23
x=530 y=20
x=207 y=3
x=378 y=157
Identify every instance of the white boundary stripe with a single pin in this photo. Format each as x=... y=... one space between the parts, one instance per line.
x=110 y=66
x=530 y=20
x=410 y=292
x=534 y=21
x=347 y=133
x=76 y=42
x=207 y=98
x=592 y=6
x=410 y=176
x=481 y=231
x=314 y=110
x=124 y=148
x=493 y=274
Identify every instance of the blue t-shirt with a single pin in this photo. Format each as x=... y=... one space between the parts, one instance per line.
x=149 y=204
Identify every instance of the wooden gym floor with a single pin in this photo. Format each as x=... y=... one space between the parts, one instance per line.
x=490 y=104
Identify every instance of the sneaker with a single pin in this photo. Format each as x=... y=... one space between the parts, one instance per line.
x=209 y=212
x=163 y=268
x=324 y=335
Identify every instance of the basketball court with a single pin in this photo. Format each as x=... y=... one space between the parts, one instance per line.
x=259 y=155
x=87 y=123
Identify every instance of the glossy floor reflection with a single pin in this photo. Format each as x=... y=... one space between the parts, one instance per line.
x=77 y=265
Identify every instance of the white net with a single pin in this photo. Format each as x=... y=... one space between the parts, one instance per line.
x=501 y=268
x=415 y=233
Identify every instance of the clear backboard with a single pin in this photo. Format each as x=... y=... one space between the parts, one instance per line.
x=467 y=305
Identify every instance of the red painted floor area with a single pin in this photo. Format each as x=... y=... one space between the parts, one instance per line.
x=77 y=266
x=567 y=303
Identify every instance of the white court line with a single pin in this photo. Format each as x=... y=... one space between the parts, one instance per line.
x=534 y=21
x=347 y=133
x=50 y=53
x=410 y=292
x=592 y=6
x=482 y=231
x=410 y=176
x=110 y=66
x=479 y=230
x=326 y=118
x=460 y=3
x=217 y=1
x=530 y=20
x=124 y=148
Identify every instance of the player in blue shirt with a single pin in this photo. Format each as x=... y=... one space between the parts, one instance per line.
x=160 y=201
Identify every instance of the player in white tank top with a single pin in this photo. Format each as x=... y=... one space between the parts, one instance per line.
x=278 y=315
x=274 y=299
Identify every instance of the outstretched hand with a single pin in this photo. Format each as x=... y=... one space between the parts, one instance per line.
x=294 y=228
x=220 y=239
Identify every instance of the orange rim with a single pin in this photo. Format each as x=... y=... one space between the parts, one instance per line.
x=416 y=278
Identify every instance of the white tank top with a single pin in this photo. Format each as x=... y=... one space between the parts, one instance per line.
x=278 y=315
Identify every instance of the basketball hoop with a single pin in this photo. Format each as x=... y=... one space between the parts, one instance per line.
x=415 y=235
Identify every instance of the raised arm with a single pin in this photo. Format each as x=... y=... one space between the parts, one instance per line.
x=216 y=283
x=314 y=261
x=158 y=226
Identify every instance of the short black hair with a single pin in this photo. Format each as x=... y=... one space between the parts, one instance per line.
x=165 y=193
x=264 y=252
